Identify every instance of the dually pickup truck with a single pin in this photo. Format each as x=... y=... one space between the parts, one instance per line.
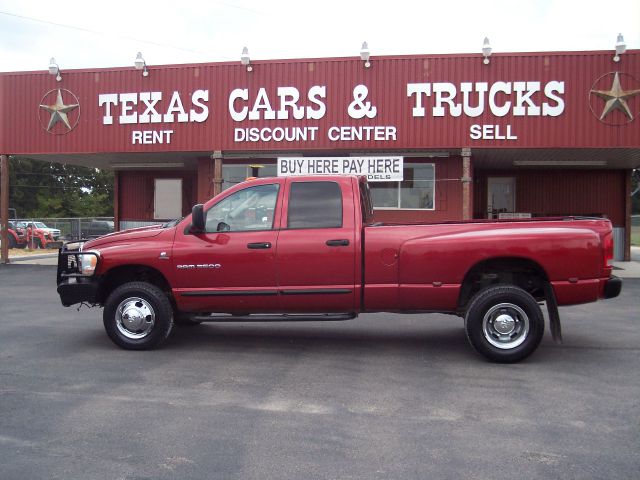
x=307 y=248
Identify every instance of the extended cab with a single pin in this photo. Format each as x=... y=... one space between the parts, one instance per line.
x=307 y=248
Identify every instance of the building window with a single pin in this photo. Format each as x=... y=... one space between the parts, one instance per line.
x=416 y=191
x=233 y=174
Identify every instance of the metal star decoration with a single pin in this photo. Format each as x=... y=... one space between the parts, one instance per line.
x=616 y=98
x=59 y=112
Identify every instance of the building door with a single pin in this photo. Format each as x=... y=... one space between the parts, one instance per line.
x=501 y=196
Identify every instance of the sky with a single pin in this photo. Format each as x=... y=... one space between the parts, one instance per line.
x=90 y=34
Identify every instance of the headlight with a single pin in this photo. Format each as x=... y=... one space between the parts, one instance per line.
x=87 y=263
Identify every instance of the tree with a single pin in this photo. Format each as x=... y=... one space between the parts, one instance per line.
x=43 y=189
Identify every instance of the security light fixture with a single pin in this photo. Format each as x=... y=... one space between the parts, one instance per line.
x=621 y=47
x=245 y=59
x=140 y=64
x=54 y=69
x=365 y=53
x=486 y=51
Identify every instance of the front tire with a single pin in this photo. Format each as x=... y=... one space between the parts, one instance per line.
x=138 y=316
x=504 y=323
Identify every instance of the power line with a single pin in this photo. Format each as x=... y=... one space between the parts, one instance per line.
x=110 y=34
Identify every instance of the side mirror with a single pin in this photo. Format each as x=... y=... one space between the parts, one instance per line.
x=197 y=219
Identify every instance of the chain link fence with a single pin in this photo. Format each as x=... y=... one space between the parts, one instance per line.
x=71 y=229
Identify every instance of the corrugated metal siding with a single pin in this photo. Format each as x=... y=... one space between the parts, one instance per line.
x=561 y=192
x=137 y=193
x=387 y=82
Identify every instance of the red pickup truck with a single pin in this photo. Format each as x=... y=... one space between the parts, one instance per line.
x=307 y=248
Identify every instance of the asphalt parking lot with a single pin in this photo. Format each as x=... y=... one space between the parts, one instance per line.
x=381 y=397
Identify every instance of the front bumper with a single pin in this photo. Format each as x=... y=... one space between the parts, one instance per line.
x=73 y=287
x=612 y=287
x=77 y=290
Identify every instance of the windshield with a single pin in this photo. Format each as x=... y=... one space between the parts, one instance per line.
x=39 y=225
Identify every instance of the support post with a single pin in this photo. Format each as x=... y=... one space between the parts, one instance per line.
x=217 y=173
x=4 y=207
x=627 y=216
x=116 y=200
x=467 y=178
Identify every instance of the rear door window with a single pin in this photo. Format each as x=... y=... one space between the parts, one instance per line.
x=315 y=205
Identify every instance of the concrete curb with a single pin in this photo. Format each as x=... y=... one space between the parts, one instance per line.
x=32 y=257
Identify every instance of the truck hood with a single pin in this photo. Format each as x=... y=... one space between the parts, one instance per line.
x=124 y=236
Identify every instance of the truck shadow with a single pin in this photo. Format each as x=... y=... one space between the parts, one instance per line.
x=292 y=339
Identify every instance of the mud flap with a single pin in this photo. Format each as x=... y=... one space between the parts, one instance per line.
x=554 y=315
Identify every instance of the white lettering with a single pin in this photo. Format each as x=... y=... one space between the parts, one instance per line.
x=466 y=88
x=278 y=134
x=289 y=97
x=175 y=106
x=238 y=94
x=550 y=89
x=499 y=111
x=518 y=98
x=475 y=132
x=127 y=101
x=262 y=103
x=149 y=137
x=197 y=98
x=491 y=132
x=150 y=115
x=524 y=90
x=107 y=99
x=418 y=89
x=376 y=133
x=445 y=93
x=315 y=94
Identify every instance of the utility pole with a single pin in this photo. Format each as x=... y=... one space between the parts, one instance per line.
x=4 y=207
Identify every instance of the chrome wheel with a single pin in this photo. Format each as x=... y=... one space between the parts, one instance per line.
x=135 y=318
x=505 y=326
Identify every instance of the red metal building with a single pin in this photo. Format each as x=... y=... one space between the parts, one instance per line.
x=444 y=137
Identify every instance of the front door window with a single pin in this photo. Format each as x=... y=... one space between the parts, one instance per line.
x=246 y=210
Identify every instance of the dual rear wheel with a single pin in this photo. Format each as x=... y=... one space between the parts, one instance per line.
x=504 y=323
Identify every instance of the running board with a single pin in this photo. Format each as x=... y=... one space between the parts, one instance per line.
x=277 y=317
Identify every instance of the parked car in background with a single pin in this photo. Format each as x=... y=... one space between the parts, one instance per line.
x=40 y=237
x=55 y=233
x=97 y=228
x=17 y=236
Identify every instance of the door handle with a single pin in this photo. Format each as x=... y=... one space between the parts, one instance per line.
x=259 y=245
x=337 y=243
